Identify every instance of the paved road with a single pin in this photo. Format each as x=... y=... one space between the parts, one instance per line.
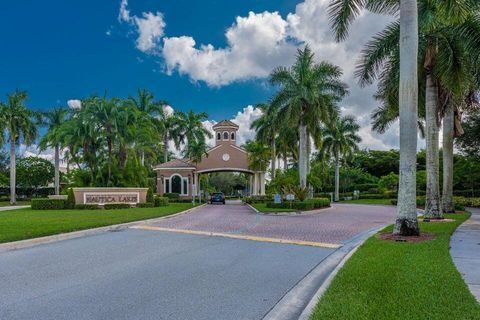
x=465 y=251
x=334 y=225
x=138 y=274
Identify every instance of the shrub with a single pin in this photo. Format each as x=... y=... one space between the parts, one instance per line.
x=172 y=196
x=70 y=202
x=149 y=195
x=258 y=199
x=48 y=204
x=365 y=187
x=306 y=205
x=466 y=202
x=373 y=196
x=86 y=207
x=161 y=201
x=114 y=206
x=145 y=205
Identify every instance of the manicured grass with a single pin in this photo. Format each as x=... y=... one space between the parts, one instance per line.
x=369 y=201
x=397 y=280
x=26 y=223
x=19 y=203
x=262 y=207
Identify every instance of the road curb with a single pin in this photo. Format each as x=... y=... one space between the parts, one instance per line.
x=299 y=302
x=22 y=244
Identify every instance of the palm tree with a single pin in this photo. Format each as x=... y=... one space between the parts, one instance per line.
x=340 y=139
x=308 y=94
x=266 y=130
x=444 y=58
x=54 y=120
x=342 y=13
x=258 y=155
x=195 y=150
x=20 y=127
x=145 y=103
x=191 y=129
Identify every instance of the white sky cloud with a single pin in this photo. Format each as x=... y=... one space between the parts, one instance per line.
x=74 y=104
x=149 y=27
x=259 y=42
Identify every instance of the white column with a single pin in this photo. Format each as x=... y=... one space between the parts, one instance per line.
x=262 y=183
x=254 y=187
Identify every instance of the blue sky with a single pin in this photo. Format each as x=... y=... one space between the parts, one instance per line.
x=60 y=50
x=212 y=56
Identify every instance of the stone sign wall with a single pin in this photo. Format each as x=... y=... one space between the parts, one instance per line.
x=110 y=195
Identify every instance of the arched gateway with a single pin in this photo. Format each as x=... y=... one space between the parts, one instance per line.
x=181 y=176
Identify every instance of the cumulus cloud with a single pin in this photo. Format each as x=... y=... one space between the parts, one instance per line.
x=74 y=104
x=256 y=44
x=259 y=42
x=150 y=27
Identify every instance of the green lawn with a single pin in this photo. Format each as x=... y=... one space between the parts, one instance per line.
x=369 y=201
x=19 y=203
x=396 y=280
x=262 y=207
x=26 y=223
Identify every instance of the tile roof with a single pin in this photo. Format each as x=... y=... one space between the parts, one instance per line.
x=226 y=123
x=175 y=163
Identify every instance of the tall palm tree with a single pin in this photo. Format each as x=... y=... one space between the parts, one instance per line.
x=308 y=94
x=145 y=103
x=191 y=128
x=266 y=128
x=54 y=120
x=195 y=150
x=340 y=139
x=20 y=127
x=342 y=13
x=446 y=70
x=258 y=155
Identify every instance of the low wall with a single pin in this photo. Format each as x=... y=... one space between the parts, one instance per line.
x=103 y=196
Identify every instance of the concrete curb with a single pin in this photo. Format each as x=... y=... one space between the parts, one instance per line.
x=289 y=214
x=22 y=244
x=300 y=301
x=9 y=208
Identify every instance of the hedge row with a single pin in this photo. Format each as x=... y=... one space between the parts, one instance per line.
x=258 y=199
x=48 y=204
x=458 y=203
x=306 y=205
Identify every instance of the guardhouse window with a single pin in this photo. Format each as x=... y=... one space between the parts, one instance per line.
x=219 y=136
x=232 y=136
x=225 y=136
x=185 y=186
x=167 y=185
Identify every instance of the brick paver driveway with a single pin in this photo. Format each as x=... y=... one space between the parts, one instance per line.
x=335 y=225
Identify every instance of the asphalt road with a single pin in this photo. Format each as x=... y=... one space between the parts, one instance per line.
x=142 y=274
x=136 y=274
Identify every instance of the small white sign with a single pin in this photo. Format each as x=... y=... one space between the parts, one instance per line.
x=290 y=197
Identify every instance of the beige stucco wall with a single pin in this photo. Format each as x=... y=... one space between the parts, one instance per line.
x=214 y=161
x=80 y=192
x=167 y=173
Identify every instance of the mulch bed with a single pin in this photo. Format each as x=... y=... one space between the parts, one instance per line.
x=422 y=237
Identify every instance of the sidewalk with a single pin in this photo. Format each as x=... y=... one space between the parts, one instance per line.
x=12 y=208
x=465 y=251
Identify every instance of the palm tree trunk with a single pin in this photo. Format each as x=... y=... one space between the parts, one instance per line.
x=165 y=148
x=309 y=147
x=274 y=158
x=448 y=130
x=57 y=170
x=142 y=158
x=13 y=166
x=432 y=201
x=302 y=155
x=285 y=161
x=406 y=222
x=337 y=179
